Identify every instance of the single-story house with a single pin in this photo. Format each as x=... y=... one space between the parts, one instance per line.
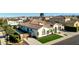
x=38 y=28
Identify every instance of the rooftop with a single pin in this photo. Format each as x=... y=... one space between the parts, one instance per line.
x=36 y=24
x=70 y=23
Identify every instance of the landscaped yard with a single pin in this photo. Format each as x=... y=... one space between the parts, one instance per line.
x=48 y=38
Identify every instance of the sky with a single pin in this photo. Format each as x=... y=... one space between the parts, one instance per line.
x=34 y=14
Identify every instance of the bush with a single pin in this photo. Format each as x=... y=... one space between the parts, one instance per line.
x=72 y=29
x=14 y=38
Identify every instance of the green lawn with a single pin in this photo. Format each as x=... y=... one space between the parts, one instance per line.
x=48 y=38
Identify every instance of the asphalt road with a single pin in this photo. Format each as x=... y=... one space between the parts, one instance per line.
x=71 y=41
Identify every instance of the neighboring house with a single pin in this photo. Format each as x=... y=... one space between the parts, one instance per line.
x=47 y=18
x=67 y=19
x=60 y=19
x=23 y=18
x=72 y=25
x=39 y=28
x=14 y=22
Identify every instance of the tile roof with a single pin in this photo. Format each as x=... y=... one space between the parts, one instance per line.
x=35 y=24
x=57 y=19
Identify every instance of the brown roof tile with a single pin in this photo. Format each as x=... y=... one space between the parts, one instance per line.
x=35 y=24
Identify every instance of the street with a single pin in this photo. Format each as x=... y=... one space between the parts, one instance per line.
x=71 y=41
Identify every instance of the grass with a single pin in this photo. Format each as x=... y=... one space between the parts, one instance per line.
x=48 y=38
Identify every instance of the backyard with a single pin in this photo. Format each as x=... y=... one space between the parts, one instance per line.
x=48 y=38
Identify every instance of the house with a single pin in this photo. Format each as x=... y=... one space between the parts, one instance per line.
x=72 y=25
x=47 y=18
x=59 y=19
x=67 y=19
x=14 y=22
x=38 y=28
x=22 y=18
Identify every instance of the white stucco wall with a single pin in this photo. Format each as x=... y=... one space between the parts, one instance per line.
x=34 y=33
x=40 y=31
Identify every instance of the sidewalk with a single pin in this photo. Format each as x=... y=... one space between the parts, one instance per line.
x=32 y=41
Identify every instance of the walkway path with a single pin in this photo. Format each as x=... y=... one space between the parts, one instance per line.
x=32 y=41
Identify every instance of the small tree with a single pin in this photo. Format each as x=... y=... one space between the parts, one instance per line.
x=14 y=38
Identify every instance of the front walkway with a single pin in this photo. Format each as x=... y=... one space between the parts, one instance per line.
x=32 y=41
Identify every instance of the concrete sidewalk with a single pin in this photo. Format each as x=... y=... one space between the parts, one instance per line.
x=32 y=41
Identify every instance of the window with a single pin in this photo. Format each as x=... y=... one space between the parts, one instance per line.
x=43 y=32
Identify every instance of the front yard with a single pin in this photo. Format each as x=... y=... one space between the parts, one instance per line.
x=48 y=38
